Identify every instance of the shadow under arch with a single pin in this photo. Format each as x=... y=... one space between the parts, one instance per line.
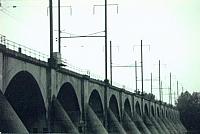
x=137 y=108
x=152 y=111
x=69 y=101
x=127 y=107
x=163 y=115
x=24 y=94
x=113 y=105
x=96 y=104
x=158 y=112
x=146 y=111
x=166 y=114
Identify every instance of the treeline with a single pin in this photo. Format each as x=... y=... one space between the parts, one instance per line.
x=189 y=107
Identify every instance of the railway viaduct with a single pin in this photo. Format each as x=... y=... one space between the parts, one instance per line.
x=39 y=97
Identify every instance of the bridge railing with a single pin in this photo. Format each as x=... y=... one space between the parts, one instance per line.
x=43 y=57
x=71 y=67
x=80 y=70
x=22 y=49
x=40 y=56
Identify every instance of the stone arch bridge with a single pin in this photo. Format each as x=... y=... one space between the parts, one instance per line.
x=36 y=97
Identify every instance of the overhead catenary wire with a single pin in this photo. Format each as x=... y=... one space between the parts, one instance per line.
x=63 y=32
x=6 y=12
x=80 y=36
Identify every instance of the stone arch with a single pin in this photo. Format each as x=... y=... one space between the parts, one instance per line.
x=113 y=105
x=24 y=94
x=38 y=72
x=166 y=113
x=158 y=112
x=146 y=111
x=137 y=108
x=127 y=107
x=170 y=114
x=68 y=99
x=163 y=115
x=152 y=111
x=95 y=103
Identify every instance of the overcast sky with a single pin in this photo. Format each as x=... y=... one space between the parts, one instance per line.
x=170 y=27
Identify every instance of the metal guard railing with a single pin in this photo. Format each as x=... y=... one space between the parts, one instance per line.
x=23 y=49
x=43 y=57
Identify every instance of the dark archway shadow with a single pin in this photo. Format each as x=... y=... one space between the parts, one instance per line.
x=69 y=101
x=163 y=115
x=146 y=111
x=24 y=95
x=127 y=107
x=137 y=108
x=96 y=105
x=152 y=111
x=158 y=112
x=113 y=105
x=113 y=117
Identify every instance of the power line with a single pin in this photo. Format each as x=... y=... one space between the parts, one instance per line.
x=6 y=12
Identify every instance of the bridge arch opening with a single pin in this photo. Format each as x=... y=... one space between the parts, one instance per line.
x=96 y=104
x=163 y=113
x=152 y=111
x=127 y=107
x=146 y=111
x=169 y=114
x=137 y=108
x=158 y=112
x=113 y=105
x=68 y=99
x=24 y=94
x=172 y=115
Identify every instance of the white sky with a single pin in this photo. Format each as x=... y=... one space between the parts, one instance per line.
x=170 y=27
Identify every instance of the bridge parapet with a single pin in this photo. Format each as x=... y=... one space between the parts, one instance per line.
x=26 y=58
x=77 y=89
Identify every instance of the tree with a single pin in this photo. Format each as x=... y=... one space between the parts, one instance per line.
x=189 y=107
